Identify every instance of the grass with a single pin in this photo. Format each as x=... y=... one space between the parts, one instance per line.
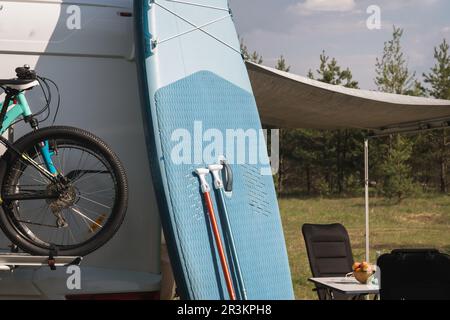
x=414 y=223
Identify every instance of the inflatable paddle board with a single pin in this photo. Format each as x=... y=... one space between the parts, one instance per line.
x=198 y=105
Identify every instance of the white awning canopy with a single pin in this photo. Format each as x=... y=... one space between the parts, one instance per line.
x=286 y=100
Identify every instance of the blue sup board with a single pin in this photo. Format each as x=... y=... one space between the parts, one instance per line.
x=198 y=104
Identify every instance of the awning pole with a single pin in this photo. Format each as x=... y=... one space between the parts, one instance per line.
x=366 y=186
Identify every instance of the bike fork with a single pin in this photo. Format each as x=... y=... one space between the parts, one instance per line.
x=44 y=148
x=47 y=156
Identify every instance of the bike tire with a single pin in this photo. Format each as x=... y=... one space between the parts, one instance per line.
x=16 y=232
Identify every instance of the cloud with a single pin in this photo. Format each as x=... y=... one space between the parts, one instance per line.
x=446 y=30
x=404 y=4
x=309 y=6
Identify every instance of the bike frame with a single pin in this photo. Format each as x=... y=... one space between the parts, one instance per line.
x=18 y=107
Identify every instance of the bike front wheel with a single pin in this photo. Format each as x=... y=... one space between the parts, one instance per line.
x=73 y=217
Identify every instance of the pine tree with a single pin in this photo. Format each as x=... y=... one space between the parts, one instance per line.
x=285 y=145
x=253 y=57
x=338 y=157
x=396 y=170
x=439 y=76
x=393 y=76
x=330 y=72
x=438 y=80
x=281 y=64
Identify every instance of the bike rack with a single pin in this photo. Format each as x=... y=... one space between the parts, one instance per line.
x=10 y=261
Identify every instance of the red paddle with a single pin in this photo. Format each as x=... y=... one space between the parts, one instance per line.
x=202 y=173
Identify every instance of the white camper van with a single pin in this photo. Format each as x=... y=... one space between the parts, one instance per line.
x=86 y=47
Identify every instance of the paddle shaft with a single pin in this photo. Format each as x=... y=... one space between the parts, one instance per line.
x=229 y=233
x=223 y=260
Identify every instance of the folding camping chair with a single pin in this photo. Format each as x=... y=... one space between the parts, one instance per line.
x=329 y=253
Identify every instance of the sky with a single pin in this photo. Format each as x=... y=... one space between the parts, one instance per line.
x=301 y=29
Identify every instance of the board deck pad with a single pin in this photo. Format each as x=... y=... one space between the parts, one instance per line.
x=182 y=92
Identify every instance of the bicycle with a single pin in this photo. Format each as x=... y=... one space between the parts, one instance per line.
x=63 y=189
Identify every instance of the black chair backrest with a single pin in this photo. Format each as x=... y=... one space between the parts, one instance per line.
x=414 y=274
x=329 y=250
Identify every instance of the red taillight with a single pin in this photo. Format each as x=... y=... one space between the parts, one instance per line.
x=116 y=296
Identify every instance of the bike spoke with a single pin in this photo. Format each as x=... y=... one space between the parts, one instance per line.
x=32 y=176
x=97 y=172
x=72 y=235
x=91 y=193
x=96 y=202
x=63 y=161
x=60 y=163
x=40 y=160
x=76 y=210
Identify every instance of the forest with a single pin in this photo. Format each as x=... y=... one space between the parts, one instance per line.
x=331 y=163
